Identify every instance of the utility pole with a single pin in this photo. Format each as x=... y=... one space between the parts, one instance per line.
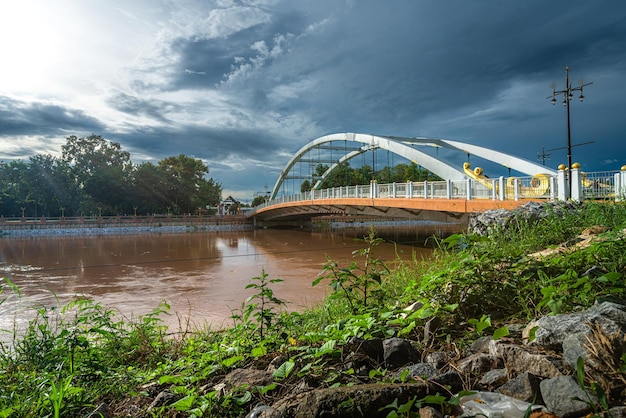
x=545 y=153
x=567 y=97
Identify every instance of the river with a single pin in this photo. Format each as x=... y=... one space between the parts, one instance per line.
x=202 y=276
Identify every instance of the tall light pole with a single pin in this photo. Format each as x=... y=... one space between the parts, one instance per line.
x=567 y=96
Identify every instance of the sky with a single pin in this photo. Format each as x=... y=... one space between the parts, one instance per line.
x=244 y=84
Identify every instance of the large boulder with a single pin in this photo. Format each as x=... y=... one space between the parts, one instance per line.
x=350 y=401
x=570 y=333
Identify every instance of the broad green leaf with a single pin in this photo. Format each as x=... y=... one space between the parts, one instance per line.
x=184 y=404
x=231 y=361
x=328 y=347
x=500 y=332
x=244 y=399
x=284 y=370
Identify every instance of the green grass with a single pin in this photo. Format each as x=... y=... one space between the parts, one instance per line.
x=72 y=358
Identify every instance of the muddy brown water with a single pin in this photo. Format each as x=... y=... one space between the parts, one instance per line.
x=202 y=276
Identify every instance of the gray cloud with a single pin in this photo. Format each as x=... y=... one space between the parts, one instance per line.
x=244 y=84
x=19 y=117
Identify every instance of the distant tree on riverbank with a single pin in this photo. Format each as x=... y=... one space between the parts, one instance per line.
x=94 y=175
x=344 y=175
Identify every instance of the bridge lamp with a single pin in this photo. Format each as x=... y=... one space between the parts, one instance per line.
x=568 y=95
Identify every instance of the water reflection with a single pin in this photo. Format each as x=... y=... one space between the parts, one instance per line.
x=201 y=275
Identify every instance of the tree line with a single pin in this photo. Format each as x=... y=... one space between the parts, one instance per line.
x=94 y=176
x=344 y=175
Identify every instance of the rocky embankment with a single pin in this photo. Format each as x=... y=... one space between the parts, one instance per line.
x=484 y=223
x=533 y=368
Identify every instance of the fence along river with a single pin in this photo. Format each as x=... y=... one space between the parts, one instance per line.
x=201 y=275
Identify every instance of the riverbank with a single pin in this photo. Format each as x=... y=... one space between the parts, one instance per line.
x=388 y=342
x=437 y=229
x=123 y=230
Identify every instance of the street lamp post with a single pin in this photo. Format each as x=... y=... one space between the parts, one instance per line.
x=567 y=96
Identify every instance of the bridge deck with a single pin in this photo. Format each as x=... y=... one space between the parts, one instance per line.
x=444 y=210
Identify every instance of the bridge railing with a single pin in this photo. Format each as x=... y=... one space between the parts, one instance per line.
x=594 y=185
x=599 y=185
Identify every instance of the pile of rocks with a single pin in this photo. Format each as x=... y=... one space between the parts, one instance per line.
x=534 y=368
x=486 y=222
x=539 y=370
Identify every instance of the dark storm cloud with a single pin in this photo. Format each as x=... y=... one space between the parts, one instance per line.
x=133 y=105
x=205 y=143
x=243 y=85
x=23 y=118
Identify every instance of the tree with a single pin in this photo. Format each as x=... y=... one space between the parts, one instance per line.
x=14 y=189
x=305 y=186
x=185 y=179
x=51 y=185
x=101 y=170
x=150 y=187
x=209 y=193
x=258 y=200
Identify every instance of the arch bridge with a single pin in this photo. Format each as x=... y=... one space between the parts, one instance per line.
x=459 y=189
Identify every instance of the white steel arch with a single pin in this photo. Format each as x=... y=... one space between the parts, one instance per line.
x=404 y=147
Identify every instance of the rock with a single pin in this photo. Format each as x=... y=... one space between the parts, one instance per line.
x=486 y=222
x=451 y=380
x=552 y=330
x=420 y=370
x=481 y=345
x=440 y=359
x=164 y=398
x=524 y=387
x=264 y=411
x=517 y=361
x=477 y=364
x=430 y=329
x=102 y=411
x=414 y=307
x=558 y=393
x=240 y=377
x=348 y=401
x=494 y=378
x=398 y=352
x=617 y=412
x=429 y=412
x=573 y=347
x=570 y=332
x=372 y=348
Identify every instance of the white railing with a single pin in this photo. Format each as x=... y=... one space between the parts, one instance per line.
x=597 y=185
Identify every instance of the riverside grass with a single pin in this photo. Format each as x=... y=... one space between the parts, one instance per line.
x=73 y=358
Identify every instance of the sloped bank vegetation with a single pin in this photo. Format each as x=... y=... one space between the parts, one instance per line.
x=399 y=339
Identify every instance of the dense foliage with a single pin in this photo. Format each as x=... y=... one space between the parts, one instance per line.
x=344 y=175
x=72 y=359
x=95 y=176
